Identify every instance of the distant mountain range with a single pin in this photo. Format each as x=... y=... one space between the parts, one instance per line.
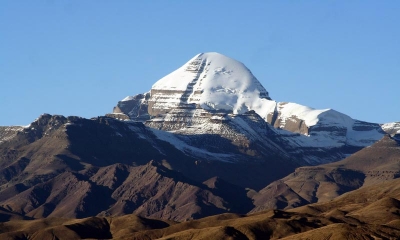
x=206 y=139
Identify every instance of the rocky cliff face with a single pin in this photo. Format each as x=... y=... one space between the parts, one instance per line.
x=135 y=107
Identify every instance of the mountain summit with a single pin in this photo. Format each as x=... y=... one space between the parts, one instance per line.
x=210 y=80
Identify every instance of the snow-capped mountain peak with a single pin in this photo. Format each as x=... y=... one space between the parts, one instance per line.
x=211 y=90
x=210 y=80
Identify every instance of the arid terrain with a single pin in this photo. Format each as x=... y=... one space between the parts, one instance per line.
x=372 y=212
x=356 y=198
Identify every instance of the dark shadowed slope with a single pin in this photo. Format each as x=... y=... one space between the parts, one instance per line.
x=76 y=167
x=371 y=212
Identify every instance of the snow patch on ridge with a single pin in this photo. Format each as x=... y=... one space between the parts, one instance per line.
x=128 y=98
x=393 y=127
x=8 y=133
x=171 y=138
x=307 y=114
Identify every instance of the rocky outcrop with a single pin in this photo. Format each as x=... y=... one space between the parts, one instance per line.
x=135 y=107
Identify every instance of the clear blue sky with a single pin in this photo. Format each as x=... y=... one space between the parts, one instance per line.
x=82 y=57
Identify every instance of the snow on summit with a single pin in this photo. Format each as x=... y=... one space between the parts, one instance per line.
x=217 y=82
x=214 y=81
x=211 y=86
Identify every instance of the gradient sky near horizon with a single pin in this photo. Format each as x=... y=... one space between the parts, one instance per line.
x=82 y=57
